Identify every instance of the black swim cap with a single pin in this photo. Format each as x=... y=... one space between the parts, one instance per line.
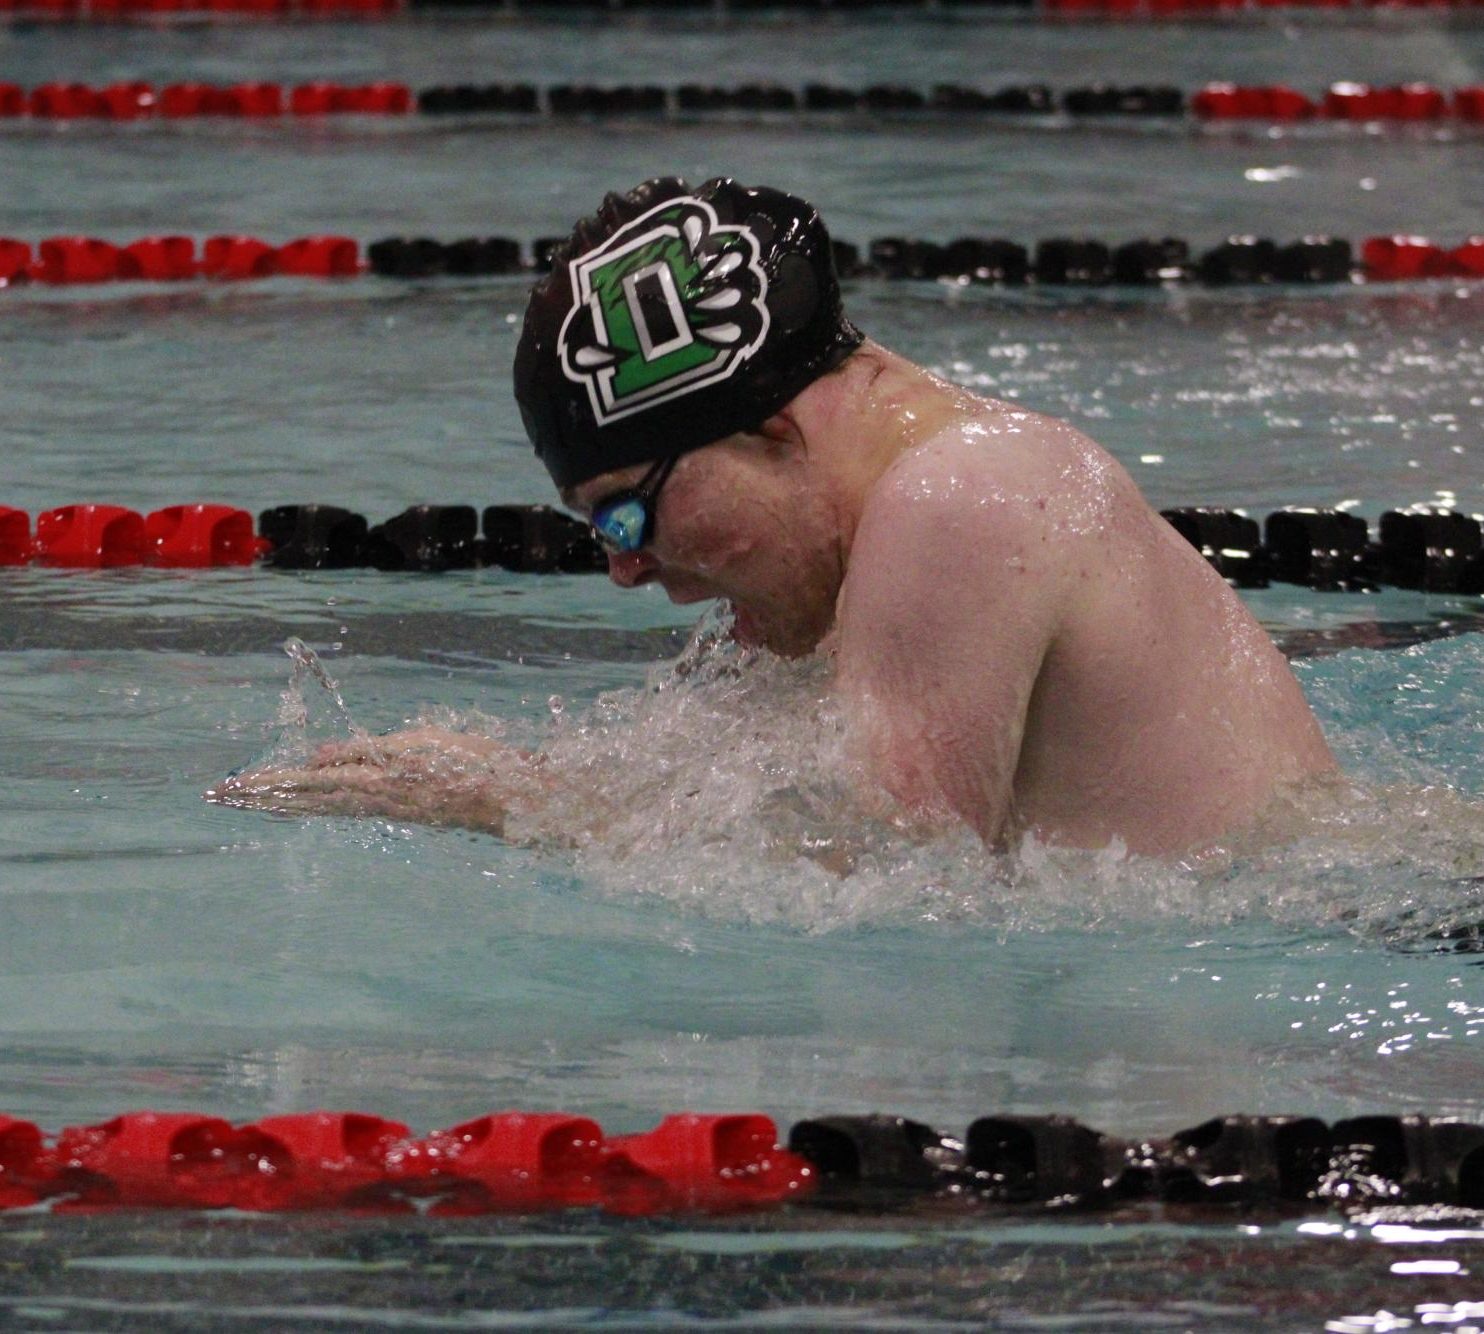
x=674 y=317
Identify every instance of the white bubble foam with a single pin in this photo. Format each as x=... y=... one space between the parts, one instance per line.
x=722 y=788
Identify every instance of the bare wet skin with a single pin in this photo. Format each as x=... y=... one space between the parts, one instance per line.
x=1008 y=639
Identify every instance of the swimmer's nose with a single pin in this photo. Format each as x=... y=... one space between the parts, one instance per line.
x=629 y=569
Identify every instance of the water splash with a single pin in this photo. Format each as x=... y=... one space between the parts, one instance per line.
x=724 y=787
x=293 y=741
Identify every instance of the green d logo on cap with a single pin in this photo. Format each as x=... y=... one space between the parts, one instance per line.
x=667 y=305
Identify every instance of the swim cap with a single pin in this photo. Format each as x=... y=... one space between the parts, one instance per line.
x=674 y=317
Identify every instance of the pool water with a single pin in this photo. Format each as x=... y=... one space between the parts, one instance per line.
x=161 y=952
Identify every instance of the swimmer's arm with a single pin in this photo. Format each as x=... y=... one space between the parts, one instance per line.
x=423 y=775
x=949 y=609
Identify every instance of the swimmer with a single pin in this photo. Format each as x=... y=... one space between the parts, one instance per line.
x=1016 y=641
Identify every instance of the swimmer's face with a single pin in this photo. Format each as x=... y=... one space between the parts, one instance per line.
x=736 y=520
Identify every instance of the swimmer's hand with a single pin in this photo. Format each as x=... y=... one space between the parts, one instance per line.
x=425 y=775
x=455 y=747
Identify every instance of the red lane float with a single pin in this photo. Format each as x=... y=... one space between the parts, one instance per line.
x=1399 y=258
x=16 y=547
x=1468 y=258
x=69 y=260
x=1349 y=101
x=1230 y=101
x=25 y=1170
x=201 y=537
x=158 y=259
x=63 y=101
x=1174 y=8
x=312 y=99
x=319 y=257
x=1361 y=102
x=375 y=99
x=702 y=1162
x=134 y=100
x=1468 y=104
x=505 y=1162
x=123 y=9
x=509 y=1161
x=1356 y=102
x=150 y=1160
x=108 y=536
x=15 y=261
x=317 y=1160
x=75 y=259
x=236 y=258
x=90 y=537
x=202 y=99
x=1413 y=101
x=1395 y=258
x=324 y=1160
x=254 y=99
x=127 y=101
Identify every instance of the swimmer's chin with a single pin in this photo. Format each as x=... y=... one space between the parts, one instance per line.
x=745 y=629
x=682 y=596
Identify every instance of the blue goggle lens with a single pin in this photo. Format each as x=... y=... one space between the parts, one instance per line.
x=620 y=526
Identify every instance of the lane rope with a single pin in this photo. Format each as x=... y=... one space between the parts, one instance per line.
x=1256 y=10
x=1343 y=101
x=1430 y=548
x=1240 y=260
x=523 y=1162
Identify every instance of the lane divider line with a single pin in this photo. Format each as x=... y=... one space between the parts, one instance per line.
x=523 y=1162
x=1431 y=548
x=1056 y=261
x=1055 y=10
x=1343 y=101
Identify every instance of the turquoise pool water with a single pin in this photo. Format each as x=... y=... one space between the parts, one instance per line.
x=159 y=952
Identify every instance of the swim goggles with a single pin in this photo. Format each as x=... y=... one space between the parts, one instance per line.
x=624 y=521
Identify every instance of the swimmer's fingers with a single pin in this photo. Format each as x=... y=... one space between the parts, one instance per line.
x=413 y=740
x=342 y=790
x=358 y=750
x=361 y=790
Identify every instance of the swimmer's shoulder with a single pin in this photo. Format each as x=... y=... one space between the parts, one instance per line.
x=953 y=541
x=963 y=503
x=1001 y=465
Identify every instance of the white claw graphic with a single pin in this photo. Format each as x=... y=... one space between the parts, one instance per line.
x=727 y=297
x=593 y=357
x=724 y=265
